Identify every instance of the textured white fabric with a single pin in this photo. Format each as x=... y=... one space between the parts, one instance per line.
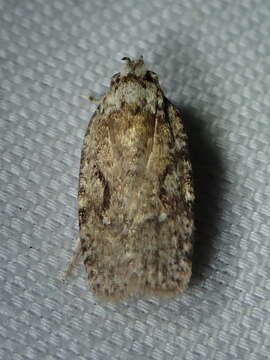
x=212 y=58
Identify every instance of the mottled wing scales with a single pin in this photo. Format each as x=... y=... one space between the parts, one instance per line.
x=135 y=192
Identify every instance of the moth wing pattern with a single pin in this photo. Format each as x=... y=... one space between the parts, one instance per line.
x=135 y=191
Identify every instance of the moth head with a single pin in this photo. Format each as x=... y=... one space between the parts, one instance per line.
x=135 y=67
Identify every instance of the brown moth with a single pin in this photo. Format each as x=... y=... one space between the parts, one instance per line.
x=135 y=191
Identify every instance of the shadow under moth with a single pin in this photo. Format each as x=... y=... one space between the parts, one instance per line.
x=135 y=195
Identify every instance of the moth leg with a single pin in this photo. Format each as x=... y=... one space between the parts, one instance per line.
x=77 y=253
x=94 y=100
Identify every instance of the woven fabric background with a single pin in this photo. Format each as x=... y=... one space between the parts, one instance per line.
x=213 y=61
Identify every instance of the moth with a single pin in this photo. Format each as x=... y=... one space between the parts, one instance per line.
x=135 y=198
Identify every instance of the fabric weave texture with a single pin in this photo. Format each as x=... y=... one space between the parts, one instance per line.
x=212 y=59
